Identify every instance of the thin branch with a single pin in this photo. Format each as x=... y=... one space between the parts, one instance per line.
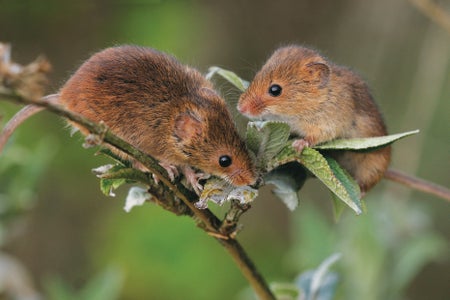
x=208 y=221
x=418 y=184
x=434 y=12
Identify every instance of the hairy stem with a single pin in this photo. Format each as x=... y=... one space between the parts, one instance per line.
x=208 y=221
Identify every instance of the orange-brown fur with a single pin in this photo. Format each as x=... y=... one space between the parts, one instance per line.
x=321 y=101
x=166 y=109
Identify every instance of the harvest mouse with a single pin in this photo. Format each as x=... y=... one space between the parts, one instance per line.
x=164 y=108
x=320 y=101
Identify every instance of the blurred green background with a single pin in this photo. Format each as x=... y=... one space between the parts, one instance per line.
x=73 y=240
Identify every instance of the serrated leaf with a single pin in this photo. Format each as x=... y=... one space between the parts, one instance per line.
x=364 y=143
x=220 y=191
x=288 y=180
x=230 y=76
x=350 y=185
x=266 y=139
x=317 y=164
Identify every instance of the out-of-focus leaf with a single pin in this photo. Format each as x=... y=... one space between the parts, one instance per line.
x=105 y=286
x=338 y=207
x=414 y=255
x=288 y=180
x=285 y=291
x=364 y=143
x=219 y=191
x=319 y=284
x=266 y=139
x=57 y=289
x=230 y=76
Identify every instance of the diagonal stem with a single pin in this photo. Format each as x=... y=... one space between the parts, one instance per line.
x=208 y=221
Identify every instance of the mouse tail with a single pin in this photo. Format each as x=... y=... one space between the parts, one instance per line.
x=20 y=117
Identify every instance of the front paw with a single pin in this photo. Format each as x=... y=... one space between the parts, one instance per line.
x=300 y=144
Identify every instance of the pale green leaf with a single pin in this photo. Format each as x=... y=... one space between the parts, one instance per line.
x=414 y=255
x=288 y=180
x=285 y=291
x=230 y=76
x=107 y=186
x=266 y=139
x=350 y=185
x=105 y=286
x=319 y=284
x=338 y=207
x=317 y=164
x=364 y=143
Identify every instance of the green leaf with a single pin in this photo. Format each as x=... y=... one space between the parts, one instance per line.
x=266 y=139
x=285 y=291
x=113 y=176
x=57 y=289
x=288 y=180
x=338 y=207
x=364 y=143
x=105 y=286
x=332 y=176
x=107 y=186
x=220 y=191
x=231 y=77
x=414 y=255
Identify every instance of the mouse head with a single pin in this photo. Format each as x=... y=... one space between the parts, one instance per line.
x=209 y=141
x=294 y=80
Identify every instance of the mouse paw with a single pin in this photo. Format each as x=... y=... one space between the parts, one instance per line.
x=192 y=179
x=172 y=170
x=300 y=144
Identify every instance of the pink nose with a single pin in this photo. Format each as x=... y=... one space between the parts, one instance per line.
x=242 y=108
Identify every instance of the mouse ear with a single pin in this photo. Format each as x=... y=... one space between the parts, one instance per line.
x=317 y=73
x=188 y=126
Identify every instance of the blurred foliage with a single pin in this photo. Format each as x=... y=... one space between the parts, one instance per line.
x=105 y=286
x=396 y=251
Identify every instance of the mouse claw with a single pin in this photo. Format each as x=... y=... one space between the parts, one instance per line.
x=300 y=144
x=172 y=170
x=192 y=179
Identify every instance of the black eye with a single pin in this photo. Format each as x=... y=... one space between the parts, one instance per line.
x=275 y=90
x=224 y=161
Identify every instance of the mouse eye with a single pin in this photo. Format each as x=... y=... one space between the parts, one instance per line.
x=275 y=90
x=224 y=161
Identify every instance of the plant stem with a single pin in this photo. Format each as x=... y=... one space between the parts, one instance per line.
x=209 y=222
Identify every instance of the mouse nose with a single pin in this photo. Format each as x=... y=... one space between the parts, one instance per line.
x=242 y=108
x=250 y=106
